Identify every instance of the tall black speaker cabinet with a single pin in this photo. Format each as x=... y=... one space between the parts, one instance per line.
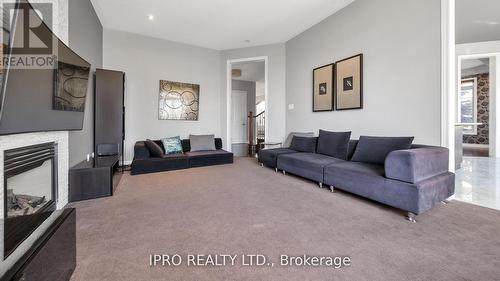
x=109 y=113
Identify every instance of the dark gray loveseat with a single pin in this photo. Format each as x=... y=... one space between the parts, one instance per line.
x=413 y=180
x=144 y=162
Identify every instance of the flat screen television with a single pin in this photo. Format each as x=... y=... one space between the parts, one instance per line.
x=41 y=96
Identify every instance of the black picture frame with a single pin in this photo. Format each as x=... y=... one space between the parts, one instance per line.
x=361 y=77
x=332 y=88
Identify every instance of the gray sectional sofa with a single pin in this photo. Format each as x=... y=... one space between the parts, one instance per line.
x=414 y=178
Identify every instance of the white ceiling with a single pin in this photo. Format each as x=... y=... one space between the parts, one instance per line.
x=217 y=24
x=477 y=21
x=475 y=66
x=472 y=63
x=251 y=71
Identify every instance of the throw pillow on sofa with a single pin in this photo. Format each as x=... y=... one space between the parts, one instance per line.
x=334 y=144
x=154 y=149
x=374 y=150
x=304 y=144
x=172 y=145
x=202 y=142
x=290 y=136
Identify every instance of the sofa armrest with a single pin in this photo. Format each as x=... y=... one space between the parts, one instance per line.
x=415 y=165
x=141 y=151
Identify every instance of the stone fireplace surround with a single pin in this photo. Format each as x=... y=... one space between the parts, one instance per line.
x=60 y=26
x=22 y=140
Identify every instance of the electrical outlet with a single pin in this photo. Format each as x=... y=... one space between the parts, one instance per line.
x=291 y=106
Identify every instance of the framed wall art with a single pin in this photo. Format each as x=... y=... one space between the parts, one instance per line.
x=178 y=101
x=70 y=87
x=323 y=87
x=349 y=83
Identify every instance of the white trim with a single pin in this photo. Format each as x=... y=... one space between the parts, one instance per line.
x=478 y=50
x=474 y=105
x=494 y=126
x=448 y=78
x=229 y=89
x=490 y=49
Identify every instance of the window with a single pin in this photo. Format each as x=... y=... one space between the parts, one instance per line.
x=467 y=103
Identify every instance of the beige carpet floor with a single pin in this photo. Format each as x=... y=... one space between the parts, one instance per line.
x=245 y=209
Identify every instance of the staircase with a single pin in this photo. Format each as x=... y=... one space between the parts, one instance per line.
x=256 y=132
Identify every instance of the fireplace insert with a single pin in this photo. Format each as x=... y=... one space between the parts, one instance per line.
x=30 y=191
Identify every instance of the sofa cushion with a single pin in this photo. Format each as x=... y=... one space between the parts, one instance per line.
x=269 y=157
x=304 y=144
x=141 y=151
x=154 y=149
x=172 y=145
x=207 y=153
x=202 y=142
x=165 y=163
x=290 y=136
x=334 y=144
x=186 y=144
x=208 y=158
x=359 y=178
x=374 y=150
x=307 y=165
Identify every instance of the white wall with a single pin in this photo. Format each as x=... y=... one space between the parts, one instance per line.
x=276 y=86
x=145 y=62
x=400 y=41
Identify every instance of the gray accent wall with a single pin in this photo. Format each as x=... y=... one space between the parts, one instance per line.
x=401 y=43
x=86 y=39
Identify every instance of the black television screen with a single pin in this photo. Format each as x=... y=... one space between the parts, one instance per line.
x=44 y=88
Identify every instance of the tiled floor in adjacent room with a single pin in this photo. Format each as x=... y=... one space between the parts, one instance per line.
x=478 y=182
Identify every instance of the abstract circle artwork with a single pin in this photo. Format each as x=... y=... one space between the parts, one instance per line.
x=178 y=101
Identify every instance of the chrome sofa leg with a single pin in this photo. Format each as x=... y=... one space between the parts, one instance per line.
x=332 y=188
x=320 y=185
x=284 y=172
x=262 y=164
x=411 y=217
x=276 y=170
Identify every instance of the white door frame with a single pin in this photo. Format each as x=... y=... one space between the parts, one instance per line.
x=448 y=78
x=229 y=88
x=486 y=50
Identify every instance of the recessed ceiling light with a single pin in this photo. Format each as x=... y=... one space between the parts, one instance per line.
x=151 y=17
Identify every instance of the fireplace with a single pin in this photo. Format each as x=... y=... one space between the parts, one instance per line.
x=30 y=191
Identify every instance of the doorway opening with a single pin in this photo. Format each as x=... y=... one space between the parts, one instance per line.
x=476 y=131
x=247 y=105
x=473 y=108
x=471 y=99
